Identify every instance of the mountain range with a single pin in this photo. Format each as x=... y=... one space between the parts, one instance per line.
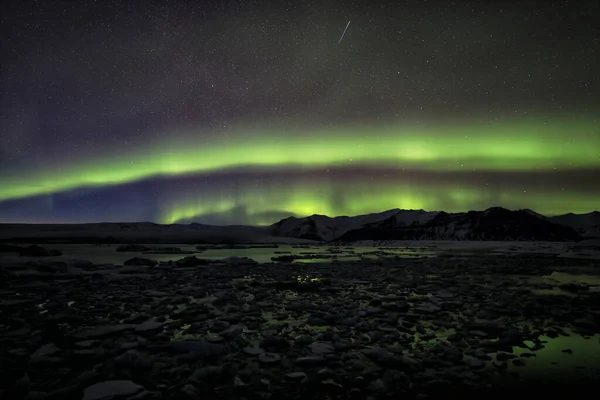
x=495 y=223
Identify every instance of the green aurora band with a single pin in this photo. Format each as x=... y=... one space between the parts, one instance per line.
x=495 y=147
x=363 y=197
x=522 y=146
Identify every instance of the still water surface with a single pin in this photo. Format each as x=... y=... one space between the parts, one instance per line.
x=108 y=254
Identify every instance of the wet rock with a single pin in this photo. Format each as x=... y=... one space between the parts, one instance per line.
x=138 y=261
x=527 y=355
x=219 y=325
x=428 y=308
x=445 y=294
x=199 y=349
x=46 y=350
x=206 y=372
x=232 y=332
x=133 y=247
x=490 y=327
x=37 y=395
x=167 y=250
x=269 y=358
x=377 y=386
x=253 y=351
x=155 y=293
x=133 y=269
x=102 y=331
x=237 y=261
x=384 y=358
x=38 y=251
x=109 y=390
x=374 y=311
x=86 y=344
x=214 y=338
x=437 y=385
x=284 y=258
x=148 y=326
x=190 y=392
x=568 y=351
x=7 y=248
x=475 y=363
x=321 y=348
x=502 y=356
x=585 y=323
x=303 y=340
x=276 y=343
x=191 y=261
x=133 y=359
x=519 y=362
x=296 y=376
x=396 y=306
x=451 y=353
x=238 y=383
x=310 y=361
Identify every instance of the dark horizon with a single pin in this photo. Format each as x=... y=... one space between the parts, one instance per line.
x=276 y=221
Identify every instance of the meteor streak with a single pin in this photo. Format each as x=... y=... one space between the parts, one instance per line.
x=344 y=32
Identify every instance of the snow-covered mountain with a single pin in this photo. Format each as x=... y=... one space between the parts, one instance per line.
x=587 y=225
x=531 y=212
x=492 y=224
x=495 y=223
x=322 y=227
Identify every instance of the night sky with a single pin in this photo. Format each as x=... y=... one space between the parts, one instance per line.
x=245 y=112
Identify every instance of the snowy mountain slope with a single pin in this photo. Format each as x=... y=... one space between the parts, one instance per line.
x=492 y=224
x=587 y=225
x=322 y=227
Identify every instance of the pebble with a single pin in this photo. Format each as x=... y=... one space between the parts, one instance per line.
x=372 y=330
x=111 y=389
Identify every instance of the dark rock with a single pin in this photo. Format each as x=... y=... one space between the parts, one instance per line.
x=232 y=332
x=191 y=261
x=321 y=348
x=45 y=351
x=149 y=325
x=475 y=363
x=502 y=356
x=519 y=362
x=102 y=331
x=253 y=351
x=7 y=248
x=38 y=251
x=132 y=359
x=133 y=269
x=219 y=325
x=296 y=376
x=276 y=343
x=138 y=261
x=206 y=372
x=133 y=247
x=269 y=358
x=284 y=258
x=310 y=360
x=37 y=395
x=200 y=349
x=109 y=390
x=238 y=261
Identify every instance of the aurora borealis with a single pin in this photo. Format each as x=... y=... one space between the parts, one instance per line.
x=119 y=112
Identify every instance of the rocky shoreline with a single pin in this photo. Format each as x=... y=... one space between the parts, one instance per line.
x=415 y=328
